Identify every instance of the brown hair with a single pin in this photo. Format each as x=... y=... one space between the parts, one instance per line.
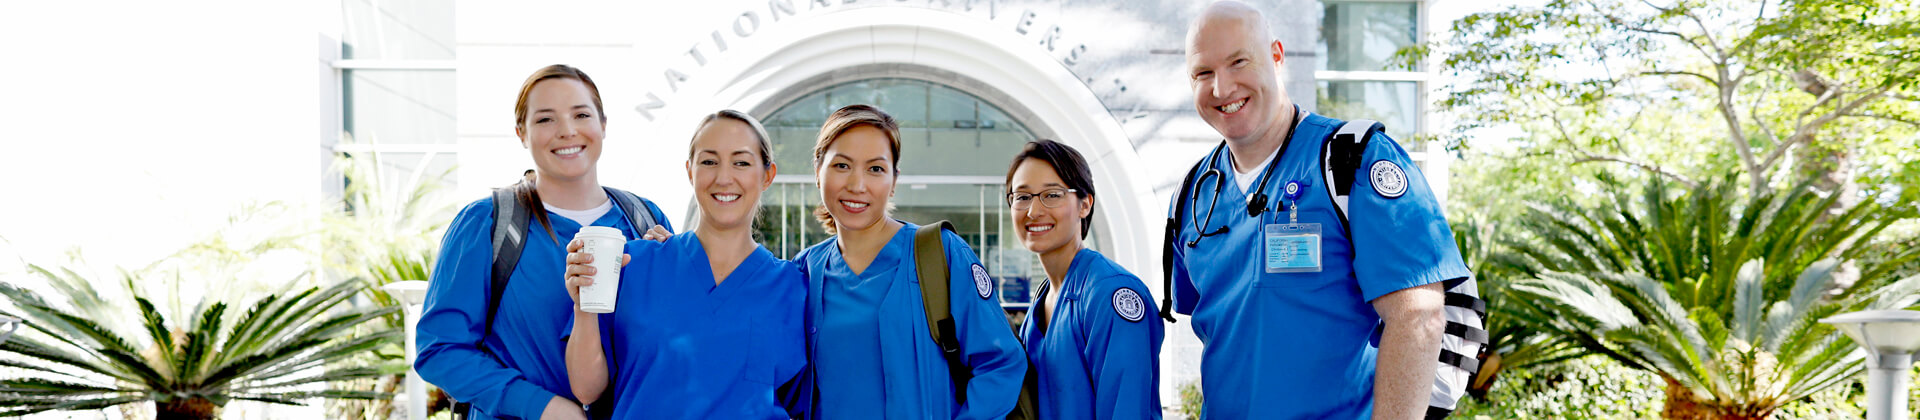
x=528 y=197
x=556 y=71
x=1067 y=163
x=838 y=123
x=759 y=132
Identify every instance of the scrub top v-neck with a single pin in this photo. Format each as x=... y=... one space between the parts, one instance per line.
x=681 y=346
x=852 y=320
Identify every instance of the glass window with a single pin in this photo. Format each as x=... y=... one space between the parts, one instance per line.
x=1362 y=36
x=398 y=106
x=1395 y=104
x=393 y=105
x=961 y=139
x=397 y=30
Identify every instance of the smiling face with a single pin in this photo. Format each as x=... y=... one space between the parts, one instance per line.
x=857 y=177
x=1231 y=67
x=728 y=173
x=1045 y=229
x=562 y=129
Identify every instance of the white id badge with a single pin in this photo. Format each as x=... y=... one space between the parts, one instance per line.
x=1292 y=248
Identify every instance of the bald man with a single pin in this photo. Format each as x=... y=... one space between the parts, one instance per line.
x=1303 y=314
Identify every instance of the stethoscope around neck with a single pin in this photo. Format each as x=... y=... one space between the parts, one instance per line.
x=1255 y=205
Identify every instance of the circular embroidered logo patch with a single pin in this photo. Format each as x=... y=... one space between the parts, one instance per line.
x=1128 y=305
x=982 y=282
x=1388 y=179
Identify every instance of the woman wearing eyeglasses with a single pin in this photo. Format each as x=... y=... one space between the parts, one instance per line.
x=1092 y=335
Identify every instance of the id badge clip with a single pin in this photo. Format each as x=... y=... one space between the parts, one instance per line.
x=1293 y=247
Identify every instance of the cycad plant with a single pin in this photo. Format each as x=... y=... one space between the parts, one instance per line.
x=1717 y=293
x=1513 y=343
x=276 y=351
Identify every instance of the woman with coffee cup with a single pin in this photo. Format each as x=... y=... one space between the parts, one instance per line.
x=500 y=352
x=709 y=323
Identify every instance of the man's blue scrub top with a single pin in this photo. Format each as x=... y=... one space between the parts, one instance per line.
x=1302 y=345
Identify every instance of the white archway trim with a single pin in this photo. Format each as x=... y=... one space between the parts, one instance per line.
x=766 y=63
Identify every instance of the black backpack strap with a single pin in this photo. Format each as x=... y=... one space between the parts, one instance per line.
x=1340 y=155
x=930 y=258
x=638 y=214
x=1172 y=238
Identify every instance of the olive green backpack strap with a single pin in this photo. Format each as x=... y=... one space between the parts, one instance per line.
x=930 y=258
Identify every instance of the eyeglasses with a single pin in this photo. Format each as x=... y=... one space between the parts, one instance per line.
x=1050 y=198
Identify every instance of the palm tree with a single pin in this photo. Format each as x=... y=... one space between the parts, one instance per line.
x=1717 y=294
x=269 y=353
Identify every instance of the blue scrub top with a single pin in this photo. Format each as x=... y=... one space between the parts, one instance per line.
x=911 y=369
x=1099 y=355
x=528 y=366
x=681 y=347
x=1302 y=345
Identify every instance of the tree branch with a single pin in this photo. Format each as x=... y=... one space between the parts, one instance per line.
x=1886 y=117
x=1804 y=132
x=1636 y=28
x=1656 y=169
x=1710 y=80
x=1753 y=111
x=1720 y=54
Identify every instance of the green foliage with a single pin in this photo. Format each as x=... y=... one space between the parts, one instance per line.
x=386 y=231
x=1717 y=294
x=1581 y=388
x=1598 y=388
x=1515 y=344
x=268 y=354
x=1190 y=399
x=1776 y=89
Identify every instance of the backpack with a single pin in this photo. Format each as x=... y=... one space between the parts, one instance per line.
x=930 y=258
x=511 y=219
x=1463 y=346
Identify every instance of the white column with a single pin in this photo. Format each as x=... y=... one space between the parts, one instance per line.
x=411 y=294
x=1887 y=385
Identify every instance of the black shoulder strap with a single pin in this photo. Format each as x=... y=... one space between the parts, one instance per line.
x=638 y=214
x=510 y=221
x=1172 y=238
x=1340 y=155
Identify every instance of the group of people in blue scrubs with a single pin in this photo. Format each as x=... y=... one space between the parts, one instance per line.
x=1305 y=310
x=712 y=325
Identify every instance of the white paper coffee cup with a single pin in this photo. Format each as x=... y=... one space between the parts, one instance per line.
x=606 y=245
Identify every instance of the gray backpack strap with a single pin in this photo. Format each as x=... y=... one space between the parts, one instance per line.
x=510 y=221
x=638 y=214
